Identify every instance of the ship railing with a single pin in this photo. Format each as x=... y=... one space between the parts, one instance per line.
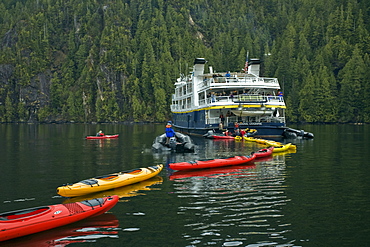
x=224 y=98
x=215 y=100
x=179 y=107
x=250 y=98
x=235 y=80
x=274 y=98
x=243 y=119
x=271 y=120
x=240 y=120
x=204 y=101
x=256 y=98
x=241 y=99
x=230 y=121
x=174 y=107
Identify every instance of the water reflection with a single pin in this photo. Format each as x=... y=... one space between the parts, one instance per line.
x=213 y=172
x=88 y=230
x=235 y=205
x=102 y=143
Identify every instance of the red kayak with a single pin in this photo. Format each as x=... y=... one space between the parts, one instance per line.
x=103 y=137
x=200 y=164
x=265 y=152
x=214 y=172
x=28 y=221
x=221 y=137
x=88 y=230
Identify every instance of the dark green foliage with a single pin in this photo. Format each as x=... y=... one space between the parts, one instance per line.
x=110 y=61
x=10 y=111
x=351 y=94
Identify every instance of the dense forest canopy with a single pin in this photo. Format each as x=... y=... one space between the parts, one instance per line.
x=106 y=61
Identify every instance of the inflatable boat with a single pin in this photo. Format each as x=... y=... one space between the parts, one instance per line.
x=181 y=143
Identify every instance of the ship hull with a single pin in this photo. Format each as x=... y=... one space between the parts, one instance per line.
x=195 y=123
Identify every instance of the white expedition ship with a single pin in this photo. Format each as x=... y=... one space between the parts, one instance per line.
x=218 y=101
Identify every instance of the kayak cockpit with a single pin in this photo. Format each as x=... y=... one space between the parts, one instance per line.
x=94 y=202
x=22 y=214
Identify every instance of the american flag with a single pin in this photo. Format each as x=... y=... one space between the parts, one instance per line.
x=246 y=63
x=246 y=66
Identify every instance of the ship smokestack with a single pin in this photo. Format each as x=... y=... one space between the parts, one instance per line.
x=199 y=66
x=254 y=66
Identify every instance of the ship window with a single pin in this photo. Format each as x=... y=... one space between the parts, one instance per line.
x=190 y=88
x=201 y=95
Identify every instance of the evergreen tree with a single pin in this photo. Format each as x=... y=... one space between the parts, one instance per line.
x=308 y=106
x=351 y=91
x=366 y=103
x=10 y=111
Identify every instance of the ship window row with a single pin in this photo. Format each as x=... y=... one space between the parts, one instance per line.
x=185 y=89
x=237 y=96
x=181 y=104
x=188 y=87
x=221 y=97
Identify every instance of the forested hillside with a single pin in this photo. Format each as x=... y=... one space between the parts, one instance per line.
x=105 y=61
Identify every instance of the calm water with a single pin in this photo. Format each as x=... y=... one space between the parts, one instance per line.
x=318 y=196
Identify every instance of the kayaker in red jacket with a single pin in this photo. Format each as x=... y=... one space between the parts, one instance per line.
x=100 y=133
x=243 y=132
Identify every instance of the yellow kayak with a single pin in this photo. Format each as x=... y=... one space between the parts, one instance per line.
x=122 y=192
x=273 y=143
x=293 y=147
x=289 y=151
x=282 y=148
x=250 y=139
x=260 y=141
x=110 y=181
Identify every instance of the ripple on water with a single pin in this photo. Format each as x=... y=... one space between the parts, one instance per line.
x=233 y=243
x=225 y=208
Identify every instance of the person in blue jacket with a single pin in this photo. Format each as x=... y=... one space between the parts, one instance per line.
x=169 y=131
